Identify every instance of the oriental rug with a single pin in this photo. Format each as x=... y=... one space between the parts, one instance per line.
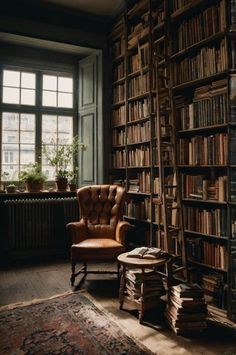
x=67 y=324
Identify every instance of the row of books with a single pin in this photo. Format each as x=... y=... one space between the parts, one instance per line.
x=139 y=85
x=142 y=183
x=207 y=23
x=119 y=159
x=139 y=60
x=212 y=222
x=119 y=71
x=201 y=188
x=118 y=93
x=138 y=157
x=207 y=109
x=158 y=14
x=118 y=137
x=201 y=150
x=208 y=253
x=175 y=242
x=138 y=110
x=215 y=288
x=118 y=47
x=179 y=4
x=139 y=209
x=209 y=61
x=139 y=132
x=118 y=116
x=186 y=310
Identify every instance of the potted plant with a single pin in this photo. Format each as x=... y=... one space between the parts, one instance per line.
x=11 y=188
x=33 y=178
x=62 y=158
x=4 y=177
x=73 y=178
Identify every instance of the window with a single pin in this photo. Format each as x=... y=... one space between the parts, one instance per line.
x=36 y=108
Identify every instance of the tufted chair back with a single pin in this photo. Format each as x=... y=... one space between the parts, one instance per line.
x=101 y=207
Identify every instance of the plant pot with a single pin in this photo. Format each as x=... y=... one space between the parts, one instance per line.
x=34 y=186
x=11 y=189
x=61 y=183
x=73 y=187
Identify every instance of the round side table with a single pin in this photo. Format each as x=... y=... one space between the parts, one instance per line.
x=141 y=303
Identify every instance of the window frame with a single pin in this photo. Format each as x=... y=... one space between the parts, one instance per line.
x=38 y=109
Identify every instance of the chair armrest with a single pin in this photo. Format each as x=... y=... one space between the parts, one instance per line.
x=78 y=231
x=121 y=230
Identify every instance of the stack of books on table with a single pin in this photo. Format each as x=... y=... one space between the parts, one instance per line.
x=148 y=285
x=186 y=310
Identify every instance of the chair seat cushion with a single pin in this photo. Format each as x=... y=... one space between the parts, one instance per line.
x=94 y=248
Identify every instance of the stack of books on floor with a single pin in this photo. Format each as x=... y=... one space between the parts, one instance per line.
x=186 y=311
x=152 y=288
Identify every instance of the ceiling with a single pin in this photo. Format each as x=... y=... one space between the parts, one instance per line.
x=108 y=8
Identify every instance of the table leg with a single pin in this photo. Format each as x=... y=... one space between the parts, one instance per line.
x=122 y=287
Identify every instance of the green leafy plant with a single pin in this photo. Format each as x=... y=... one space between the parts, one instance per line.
x=73 y=175
x=33 y=174
x=62 y=156
x=4 y=176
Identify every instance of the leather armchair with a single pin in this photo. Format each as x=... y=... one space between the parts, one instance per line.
x=100 y=234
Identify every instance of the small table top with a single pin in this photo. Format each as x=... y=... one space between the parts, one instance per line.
x=139 y=262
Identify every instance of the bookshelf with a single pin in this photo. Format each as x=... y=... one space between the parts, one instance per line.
x=180 y=132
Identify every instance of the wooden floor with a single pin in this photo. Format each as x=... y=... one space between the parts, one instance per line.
x=24 y=283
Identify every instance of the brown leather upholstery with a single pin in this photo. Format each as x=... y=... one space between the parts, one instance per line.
x=100 y=233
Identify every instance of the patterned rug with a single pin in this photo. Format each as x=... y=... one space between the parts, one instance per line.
x=68 y=324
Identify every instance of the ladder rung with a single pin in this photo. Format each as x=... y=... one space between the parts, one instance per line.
x=170 y=186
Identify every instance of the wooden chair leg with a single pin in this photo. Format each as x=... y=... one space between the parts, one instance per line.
x=72 y=279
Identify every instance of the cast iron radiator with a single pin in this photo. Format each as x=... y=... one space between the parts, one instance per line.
x=38 y=225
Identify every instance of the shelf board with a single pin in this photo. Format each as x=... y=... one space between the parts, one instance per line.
x=158 y=26
x=139 y=167
x=118 y=126
x=118 y=58
x=137 y=219
x=138 y=72
x=120 y=168
x=140 y=120
x=139 y=143
x=200 y=129
x=205 y=265
x=118 y=81
x=118 y=103
x=215 y=202
x=201 y=166
x=118 y=146
x=199 y=234
x=139 y=193
x=199 y=82
x=160 y=39
x=197 y=45
x=186 y=8
x=140 y=96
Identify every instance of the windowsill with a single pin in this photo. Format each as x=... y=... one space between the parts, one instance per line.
x=41 y=194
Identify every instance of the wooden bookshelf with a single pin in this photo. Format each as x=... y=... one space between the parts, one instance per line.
x=164 y=39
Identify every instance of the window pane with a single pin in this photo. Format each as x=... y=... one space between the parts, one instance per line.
x=64 y=100
x=12 y=170
x=28 y=80
x=27 y=137
x=49 y=128
x=65 y=125
x=10 y=150
x=27 y=97
x=11 y=78
x=27 y=154
x=10 y=137
x=50 y=82
x=65 y=84
x=49 y=171
x=11 y=95
x=10 y=121
x=49 y=98
x=27 y=122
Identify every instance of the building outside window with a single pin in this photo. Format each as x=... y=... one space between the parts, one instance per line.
x=36 y=108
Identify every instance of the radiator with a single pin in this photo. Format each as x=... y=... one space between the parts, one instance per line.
x=34 y=224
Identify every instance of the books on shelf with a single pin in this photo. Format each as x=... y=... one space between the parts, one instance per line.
x=145 y=253
x=199 y=187
x=139 y=85
x=204 y=150
x=140 y=132
x=208 y=253
x=138 y=157
x=139 y=209
x=138 y=110
x=211 y=221
x=119 y=159
x=205 y=24
x=118 y=116
x=207 y=62
x=118 y=93
x=118 y=136
x=139 y=60
x=186 y=310
x=208 y=107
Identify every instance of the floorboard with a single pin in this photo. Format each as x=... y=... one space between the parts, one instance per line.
x=24 y=283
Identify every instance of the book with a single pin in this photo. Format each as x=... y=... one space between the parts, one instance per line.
x=145 y=253
x=187 y=290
